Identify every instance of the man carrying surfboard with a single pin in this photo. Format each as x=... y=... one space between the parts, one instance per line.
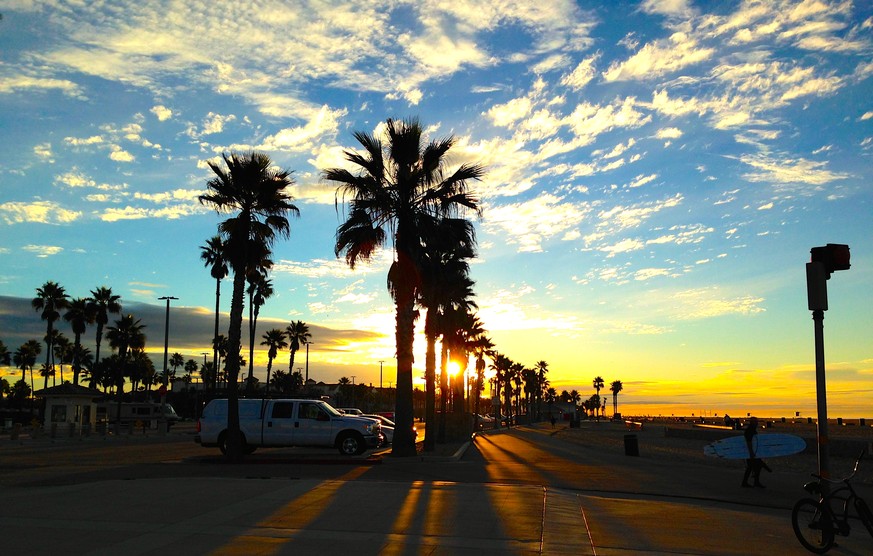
x=754 y=464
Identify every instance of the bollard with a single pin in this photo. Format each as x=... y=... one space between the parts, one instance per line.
x=631 y=445
x=863 y=422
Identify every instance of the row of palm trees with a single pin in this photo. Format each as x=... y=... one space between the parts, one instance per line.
x=401 y=195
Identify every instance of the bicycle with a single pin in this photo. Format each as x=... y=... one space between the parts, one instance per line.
x=817 y=521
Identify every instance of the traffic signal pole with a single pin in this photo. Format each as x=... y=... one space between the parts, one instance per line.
x=825 y=260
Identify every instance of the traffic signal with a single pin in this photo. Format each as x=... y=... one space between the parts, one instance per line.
x=834 y=256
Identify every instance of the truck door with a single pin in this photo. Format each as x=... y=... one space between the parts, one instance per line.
x=279 y=425
x=315 y=428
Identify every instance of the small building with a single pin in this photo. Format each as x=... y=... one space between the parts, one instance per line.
x=70 y=407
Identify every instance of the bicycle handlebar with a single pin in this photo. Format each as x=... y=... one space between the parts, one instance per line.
x=844 y=479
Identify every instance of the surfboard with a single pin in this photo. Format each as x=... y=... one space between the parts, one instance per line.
x=765 y=445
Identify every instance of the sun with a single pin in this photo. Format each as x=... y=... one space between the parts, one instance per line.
x=453 y=368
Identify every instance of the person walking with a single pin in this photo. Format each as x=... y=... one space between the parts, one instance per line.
x=754 y=464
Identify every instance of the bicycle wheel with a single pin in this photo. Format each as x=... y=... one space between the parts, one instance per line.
x=814 y=529
x=864 y=513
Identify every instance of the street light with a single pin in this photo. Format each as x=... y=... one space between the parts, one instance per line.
x=380 y=374
x=163 y=389
x=307 y=360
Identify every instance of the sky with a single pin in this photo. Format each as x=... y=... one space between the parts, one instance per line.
x=656 y=174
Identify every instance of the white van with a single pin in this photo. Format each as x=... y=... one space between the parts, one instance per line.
x=288 y=423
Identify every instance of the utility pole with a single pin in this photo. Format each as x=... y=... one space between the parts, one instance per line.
x=307 y=361
x=163 y=389
x=824 y=261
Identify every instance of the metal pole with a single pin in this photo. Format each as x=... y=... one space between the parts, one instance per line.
x=166 y=351
x=307 y=362
x=380 y=374
x=821 y=398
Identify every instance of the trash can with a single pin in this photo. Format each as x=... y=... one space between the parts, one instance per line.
x=631 y=445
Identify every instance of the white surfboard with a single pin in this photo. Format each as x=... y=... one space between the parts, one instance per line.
x=765 y=446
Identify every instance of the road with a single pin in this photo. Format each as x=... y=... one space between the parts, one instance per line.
x=518 y=492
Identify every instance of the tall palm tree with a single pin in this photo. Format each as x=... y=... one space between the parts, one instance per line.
x=598 y=384
x=615 y=387
x=542 y=368
x=249 y=186
x=445 y=286
x=212 y=255
x=125 y=337
x=274 y=340
x=79 y=315
x=63 y=352
x=259 y=290
x=401 y=190
x=50 y=299
x=102 y=304
x=298 y=334
x=25 y=356
x=482 y=347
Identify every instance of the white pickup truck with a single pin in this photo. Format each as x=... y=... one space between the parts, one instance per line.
x=288 y=423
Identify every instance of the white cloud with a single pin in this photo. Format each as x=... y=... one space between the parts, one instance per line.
x=657 y=58
x=530 y=223
x=43 y=251
x=161 y=112
x=41 y=212
x=582 y=75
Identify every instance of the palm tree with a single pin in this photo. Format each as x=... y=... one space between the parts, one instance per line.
x=482 y=347
x=24 y=358
x=79 y=315
x=5 y=356
x=63 y=352
x=50 y=299
x=298 y=334
x=259 y=290
x=102 y=304
x=542 y=368
x=212 y=255
x=615 y=388
x=176 y=360
x=400 y=190
x=125 y=337
x=274 y=340
x=598 y=384
x=252 y=188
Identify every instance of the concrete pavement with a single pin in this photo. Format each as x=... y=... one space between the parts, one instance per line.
x=352 y=515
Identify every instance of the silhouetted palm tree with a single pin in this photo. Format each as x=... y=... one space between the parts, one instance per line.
x=79 y=315
x=598 y=386
x=125 y=337
x=400 y=190
x=102 y=304
x=259 y=290
x=255 y=191
x=212 y=255
x=615 y=388
x=298 y=334
x=63 y=353
x=274 y=340
x=542 y=368
x=50 y=299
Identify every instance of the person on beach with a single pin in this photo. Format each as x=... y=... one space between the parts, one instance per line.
x=753 y=464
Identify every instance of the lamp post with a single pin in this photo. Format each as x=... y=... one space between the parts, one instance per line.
x=163 y=389
x=307 y=360
x=380 y=374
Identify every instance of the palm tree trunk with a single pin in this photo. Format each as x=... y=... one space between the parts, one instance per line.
x=215 y=335
x=234 y=446
x=404 y=441
x=430 y=392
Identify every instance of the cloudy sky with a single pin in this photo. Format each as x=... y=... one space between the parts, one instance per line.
x=657 y=172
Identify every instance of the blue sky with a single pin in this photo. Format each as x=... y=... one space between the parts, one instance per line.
x=656 y=175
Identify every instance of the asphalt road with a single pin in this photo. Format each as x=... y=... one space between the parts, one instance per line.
x=518 y=492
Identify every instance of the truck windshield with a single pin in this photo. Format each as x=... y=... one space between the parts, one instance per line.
x=330 y=409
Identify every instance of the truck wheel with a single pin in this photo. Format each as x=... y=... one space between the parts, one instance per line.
x=351 y=444
x=222 y=444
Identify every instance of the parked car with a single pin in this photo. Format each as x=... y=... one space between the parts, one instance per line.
x=288 y=423
x=485 y=422
x=388 y=427
x=351 y=411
